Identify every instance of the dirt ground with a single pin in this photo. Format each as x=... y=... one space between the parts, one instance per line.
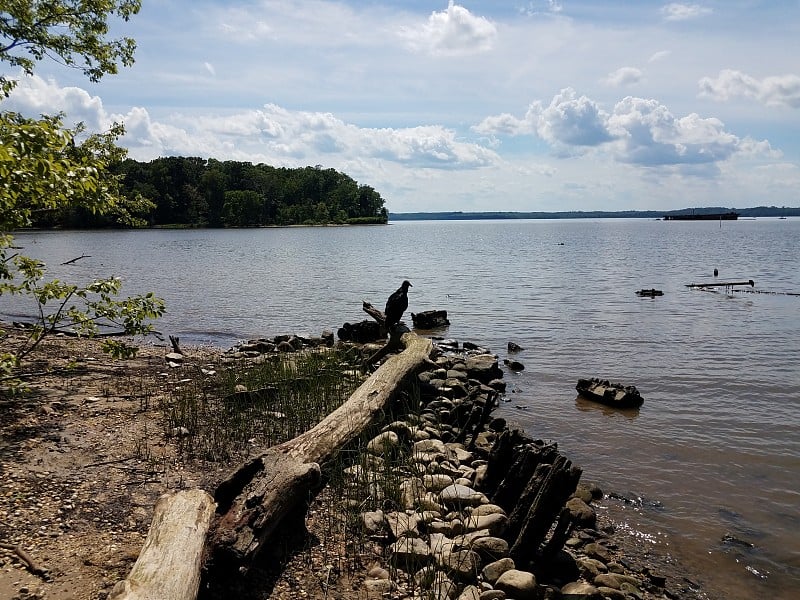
x=84 y=455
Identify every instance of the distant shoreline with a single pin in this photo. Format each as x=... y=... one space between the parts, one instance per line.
x=759 y=211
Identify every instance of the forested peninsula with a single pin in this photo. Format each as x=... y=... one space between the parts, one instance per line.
x=195 y=192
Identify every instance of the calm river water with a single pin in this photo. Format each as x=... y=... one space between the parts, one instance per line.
x=715 y=449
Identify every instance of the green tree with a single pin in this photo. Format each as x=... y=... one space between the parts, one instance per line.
x=43 y=168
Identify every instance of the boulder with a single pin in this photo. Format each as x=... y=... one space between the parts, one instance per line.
x=430 y=319
x=483 y=367
x=520 y=585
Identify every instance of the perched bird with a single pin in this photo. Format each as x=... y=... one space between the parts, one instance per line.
x=397 y=304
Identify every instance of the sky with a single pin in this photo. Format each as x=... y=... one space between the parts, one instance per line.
x=486 y=105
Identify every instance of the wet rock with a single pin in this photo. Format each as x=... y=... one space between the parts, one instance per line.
x=513 y=347
x=582 y=514
x=514 y=365
x=597 y=551
x=483 y=367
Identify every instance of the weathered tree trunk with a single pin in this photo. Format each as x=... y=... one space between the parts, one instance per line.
x=169 y=563
x=257 y=498
x=539 y=506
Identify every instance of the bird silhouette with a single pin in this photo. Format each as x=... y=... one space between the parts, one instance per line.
x=397 y=304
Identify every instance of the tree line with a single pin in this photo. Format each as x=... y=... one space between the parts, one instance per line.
x=194 y=192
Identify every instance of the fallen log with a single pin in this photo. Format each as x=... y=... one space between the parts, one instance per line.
x=169 y=563
x=259 y=496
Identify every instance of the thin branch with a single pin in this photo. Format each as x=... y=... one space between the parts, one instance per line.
x=76 y=259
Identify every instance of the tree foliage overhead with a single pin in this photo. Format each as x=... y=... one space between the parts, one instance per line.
x=44 y=170
x=196 y=192
x=71 y=32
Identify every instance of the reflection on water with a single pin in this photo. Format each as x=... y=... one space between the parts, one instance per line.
x=719 y=432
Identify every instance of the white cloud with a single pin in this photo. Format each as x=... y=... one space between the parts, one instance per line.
x=452 y=32
x=639 y=131
x=34 y=96
x=676 y=11
x=624 y=76
x=210 y=68
x=649 y=135
x=569 y=120
x=660 y=55
x=783 y=90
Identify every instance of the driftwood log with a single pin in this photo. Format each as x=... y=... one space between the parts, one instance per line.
x=260 y=496
x=169 y=563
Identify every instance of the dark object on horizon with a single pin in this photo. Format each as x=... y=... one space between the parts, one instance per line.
x=610 y=394
x=397 y=304
x=749 y=282
x=651 y=293
x=716 y=273
x=430 y=319
x=728 y=216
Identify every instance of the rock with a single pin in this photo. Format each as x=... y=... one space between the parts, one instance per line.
x=595 y=550
x=436 y=482
x=174 y=357
x=409 y=553
x=513 y=347
x=615 y=580
x=520 y=585
x=430 y=319
x=611 y=594
x=580 y=590
x=483 y=367
x=402 y=524
x=494 y=570
x=384 y=443
x=496 y=523
x=582 y=514
x=493 y=595
x=462 y=565
x=470 y=592
x=514 y=365
x=487 y=509
x=590 y=567
x=442 y=588
x=460 y=495
x=491 y=547
x=377 y=589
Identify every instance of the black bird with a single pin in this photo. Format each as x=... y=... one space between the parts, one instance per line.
x=397 y=304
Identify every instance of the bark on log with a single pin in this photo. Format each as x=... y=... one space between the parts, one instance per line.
x=169 y=563
x=544 y=497
x=254 y=501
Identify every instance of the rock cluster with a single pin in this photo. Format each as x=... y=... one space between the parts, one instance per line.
x=280 y=343
x=453 y=522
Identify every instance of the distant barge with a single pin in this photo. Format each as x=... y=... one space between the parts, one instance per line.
x=728 y=216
